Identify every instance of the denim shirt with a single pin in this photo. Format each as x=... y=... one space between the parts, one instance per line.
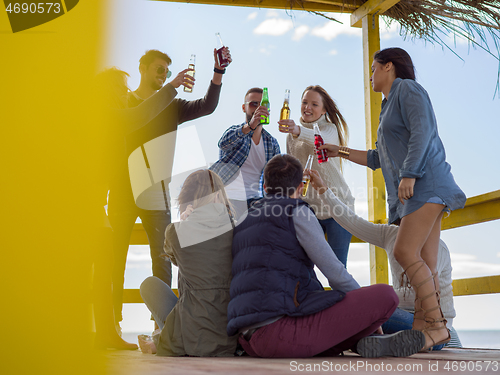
x=408 y=145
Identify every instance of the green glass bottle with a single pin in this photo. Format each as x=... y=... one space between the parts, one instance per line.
x=265 y=102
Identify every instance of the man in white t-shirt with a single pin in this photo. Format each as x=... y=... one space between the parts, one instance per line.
x=244 y=151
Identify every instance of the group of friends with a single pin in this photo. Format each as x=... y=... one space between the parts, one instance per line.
x=248 y=239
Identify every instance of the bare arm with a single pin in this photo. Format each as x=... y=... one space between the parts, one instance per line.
x=356 y=156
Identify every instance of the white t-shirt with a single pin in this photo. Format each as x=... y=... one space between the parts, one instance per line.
x=246 y=184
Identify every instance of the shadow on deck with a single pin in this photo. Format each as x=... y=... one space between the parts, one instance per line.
x=465 y=361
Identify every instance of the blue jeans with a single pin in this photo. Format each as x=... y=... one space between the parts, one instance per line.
x=338 y=238
x=159 y=299
x=401 y=320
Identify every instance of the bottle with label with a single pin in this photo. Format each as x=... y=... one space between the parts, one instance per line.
x=265 y=102
x=285 y=110
x=318 y=141
x=191 y=73
x=223 y=61
x=306 y=179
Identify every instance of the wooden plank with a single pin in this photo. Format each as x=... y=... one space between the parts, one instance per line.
x=307 y=5
x=371 y=7
x=134 y=295
x=476 y=285
x=138 y=236
x=478 y=209
x=461 y=287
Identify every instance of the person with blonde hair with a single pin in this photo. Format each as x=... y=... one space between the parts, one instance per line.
x=384 y=236
x=319 y=108
x=200 y=245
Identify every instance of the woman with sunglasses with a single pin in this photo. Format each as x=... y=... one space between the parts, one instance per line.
x=200 y=245
x=420 y=186
x=319 y=108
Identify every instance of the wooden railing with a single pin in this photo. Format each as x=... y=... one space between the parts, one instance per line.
x=478 y=209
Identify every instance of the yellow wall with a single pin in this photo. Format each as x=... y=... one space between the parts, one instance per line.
x=49 y=192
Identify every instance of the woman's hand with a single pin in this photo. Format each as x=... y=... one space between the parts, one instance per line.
x=316 y=181
x=331 y=150
x=183 y=79
x=288 y=126
x=405 y=189
x=226 y=54
x=189 y=211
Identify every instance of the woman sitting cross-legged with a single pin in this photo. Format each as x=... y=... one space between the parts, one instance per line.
x=200 y=245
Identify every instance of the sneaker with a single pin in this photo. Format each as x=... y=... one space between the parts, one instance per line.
x=399 y=344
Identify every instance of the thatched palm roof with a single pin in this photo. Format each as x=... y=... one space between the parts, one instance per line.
x=425 y=19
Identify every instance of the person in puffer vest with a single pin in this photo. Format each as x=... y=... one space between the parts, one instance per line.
x=278 y=307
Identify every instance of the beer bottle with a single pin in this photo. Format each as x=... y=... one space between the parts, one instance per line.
x=306 y=178
x=190 y=73
x=285 y=110
x=318 y=141
x=265 y=102
x=223 y=61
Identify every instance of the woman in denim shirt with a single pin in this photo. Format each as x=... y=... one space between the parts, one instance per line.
x=420 y=186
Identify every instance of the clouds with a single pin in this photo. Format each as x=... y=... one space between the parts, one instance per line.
x=466 y=265
x=278 y=23
x=300 y=32
x=330 y=29
x=274 y=27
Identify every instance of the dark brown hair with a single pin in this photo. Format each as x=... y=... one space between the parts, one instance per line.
x=282 y=175
x=254 y=89
x=333 y=114
x=400 y=59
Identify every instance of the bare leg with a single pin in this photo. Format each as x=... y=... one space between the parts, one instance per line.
x=416 y=250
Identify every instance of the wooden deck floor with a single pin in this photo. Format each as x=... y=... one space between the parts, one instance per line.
x=464 y=361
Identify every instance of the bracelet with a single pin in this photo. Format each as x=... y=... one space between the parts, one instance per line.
x=344 y=152
x=220 y=71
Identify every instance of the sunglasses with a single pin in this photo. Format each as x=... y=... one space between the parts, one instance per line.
x=161 y=70
x=254 y=104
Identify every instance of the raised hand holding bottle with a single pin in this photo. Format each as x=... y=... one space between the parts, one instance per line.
x=221 y=56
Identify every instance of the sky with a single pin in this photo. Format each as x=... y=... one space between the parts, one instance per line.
x=294 y=49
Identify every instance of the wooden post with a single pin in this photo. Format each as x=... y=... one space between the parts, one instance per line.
x=376 y=185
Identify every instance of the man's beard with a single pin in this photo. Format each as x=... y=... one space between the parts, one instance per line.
x=155 y=86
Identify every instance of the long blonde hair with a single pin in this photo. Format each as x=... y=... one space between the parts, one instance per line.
x=333 y=114
x=199 y=189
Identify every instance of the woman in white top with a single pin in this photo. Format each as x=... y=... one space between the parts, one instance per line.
x=384 y=236
x=319 y=108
